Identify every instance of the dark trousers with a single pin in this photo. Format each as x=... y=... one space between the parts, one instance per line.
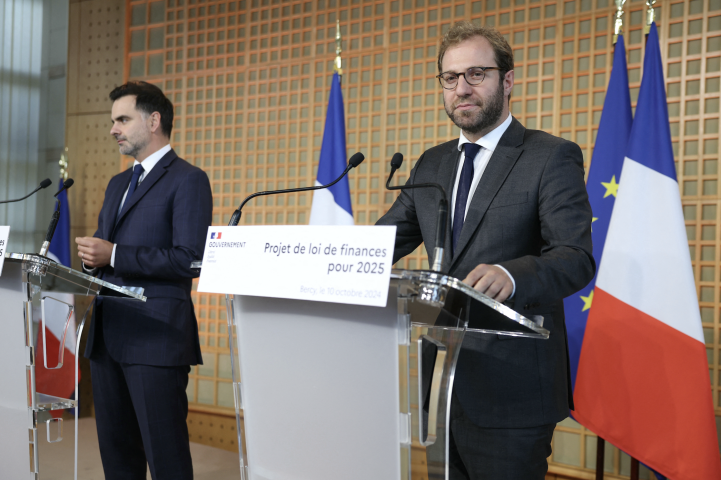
x=477 y=453
x=141 y=413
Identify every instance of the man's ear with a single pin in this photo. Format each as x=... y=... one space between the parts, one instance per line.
x=508 y=82
x=154 y=122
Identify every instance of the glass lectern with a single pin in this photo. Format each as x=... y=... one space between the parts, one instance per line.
x=329 y=391
x=34 y=288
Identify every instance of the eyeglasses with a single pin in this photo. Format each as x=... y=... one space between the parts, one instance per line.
x=473 y=76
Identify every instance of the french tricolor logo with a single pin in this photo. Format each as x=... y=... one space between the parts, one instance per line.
x=215 y=235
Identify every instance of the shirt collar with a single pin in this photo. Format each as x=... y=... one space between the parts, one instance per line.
x=152 y=159
x=490 y=140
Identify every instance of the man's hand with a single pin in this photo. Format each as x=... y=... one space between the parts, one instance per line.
x=490 y=280
x=94 y=252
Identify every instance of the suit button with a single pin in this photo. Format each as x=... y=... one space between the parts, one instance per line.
x=525 y=307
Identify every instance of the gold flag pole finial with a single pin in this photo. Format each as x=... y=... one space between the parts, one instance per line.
x=64 y=164
x=337 y=65
x=650 y=16
x=618 y=25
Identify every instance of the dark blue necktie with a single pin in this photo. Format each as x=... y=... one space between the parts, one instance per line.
x=137 y=172
x=464 y=189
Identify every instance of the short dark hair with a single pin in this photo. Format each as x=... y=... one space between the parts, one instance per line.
x=148 y=99
x=462 y=31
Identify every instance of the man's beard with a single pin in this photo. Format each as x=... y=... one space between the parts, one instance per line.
x=133 y=148
x=129 y=149
x=478 y=121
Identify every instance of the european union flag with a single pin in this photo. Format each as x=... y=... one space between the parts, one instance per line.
x=602 y=185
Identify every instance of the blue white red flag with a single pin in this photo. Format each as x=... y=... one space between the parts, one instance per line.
x=643 y=379
x=332 y=206
x=58 y=382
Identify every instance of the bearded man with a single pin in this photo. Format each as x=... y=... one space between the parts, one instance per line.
x=152 y=225
x=521 y=234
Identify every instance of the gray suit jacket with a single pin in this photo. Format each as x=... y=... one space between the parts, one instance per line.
x=530 y=214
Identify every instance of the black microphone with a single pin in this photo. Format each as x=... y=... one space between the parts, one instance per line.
x=44 y=184
x=354 y=161
x=54 y=220
x=396 y=162
x=66 y=184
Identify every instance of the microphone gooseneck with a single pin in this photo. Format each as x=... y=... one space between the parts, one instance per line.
x=437 y=265
x=66 y=184
x=354 y=161
x=55 y=218
x=44 y=184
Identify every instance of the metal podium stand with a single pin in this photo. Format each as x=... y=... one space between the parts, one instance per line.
x=329 y=391
x=27 y=286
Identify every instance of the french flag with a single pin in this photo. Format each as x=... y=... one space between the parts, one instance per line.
x=59 y=334
x=332 y=206
x=643 y=379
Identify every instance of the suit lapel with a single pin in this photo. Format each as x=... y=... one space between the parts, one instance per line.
x=114 y=197
x=499 y=166
x=151 y=179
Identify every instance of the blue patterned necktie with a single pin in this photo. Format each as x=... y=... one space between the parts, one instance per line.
x=464 y=189
x=137 y=172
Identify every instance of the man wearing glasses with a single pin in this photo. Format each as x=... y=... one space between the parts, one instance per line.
x=520 y=233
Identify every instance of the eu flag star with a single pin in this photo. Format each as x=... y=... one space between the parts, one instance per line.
x=587 y=301
x=593 y=220
x=611 y=187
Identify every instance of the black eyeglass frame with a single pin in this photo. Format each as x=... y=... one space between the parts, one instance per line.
x=463 y=74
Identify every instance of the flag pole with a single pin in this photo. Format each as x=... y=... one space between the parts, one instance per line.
x=650 y=16
x=63 y=162
x=337 y=63
x=618 y=24
x=600 y=457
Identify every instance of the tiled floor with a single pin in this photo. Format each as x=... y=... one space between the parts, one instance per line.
x=56 y=459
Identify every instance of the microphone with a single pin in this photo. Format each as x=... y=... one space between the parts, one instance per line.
x=54 y=220
x=44 y=184
x=396 y=162
x=354 y=161
x=66 y=184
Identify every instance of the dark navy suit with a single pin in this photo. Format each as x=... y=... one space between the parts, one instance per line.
x=141 y=352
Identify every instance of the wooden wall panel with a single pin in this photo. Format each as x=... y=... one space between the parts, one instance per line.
x=95 y=53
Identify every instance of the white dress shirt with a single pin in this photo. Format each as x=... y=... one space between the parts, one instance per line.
x=488 y=144
x=148 y=165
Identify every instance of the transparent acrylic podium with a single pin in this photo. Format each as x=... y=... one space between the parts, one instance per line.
x=33 y=288
x=328 y=391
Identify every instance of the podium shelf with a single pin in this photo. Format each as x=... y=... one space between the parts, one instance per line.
x=47 y=402
x=54 y=277
x=442 y=292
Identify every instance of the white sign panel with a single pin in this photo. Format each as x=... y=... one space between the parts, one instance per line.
x=320 y=263
x=4 y=234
